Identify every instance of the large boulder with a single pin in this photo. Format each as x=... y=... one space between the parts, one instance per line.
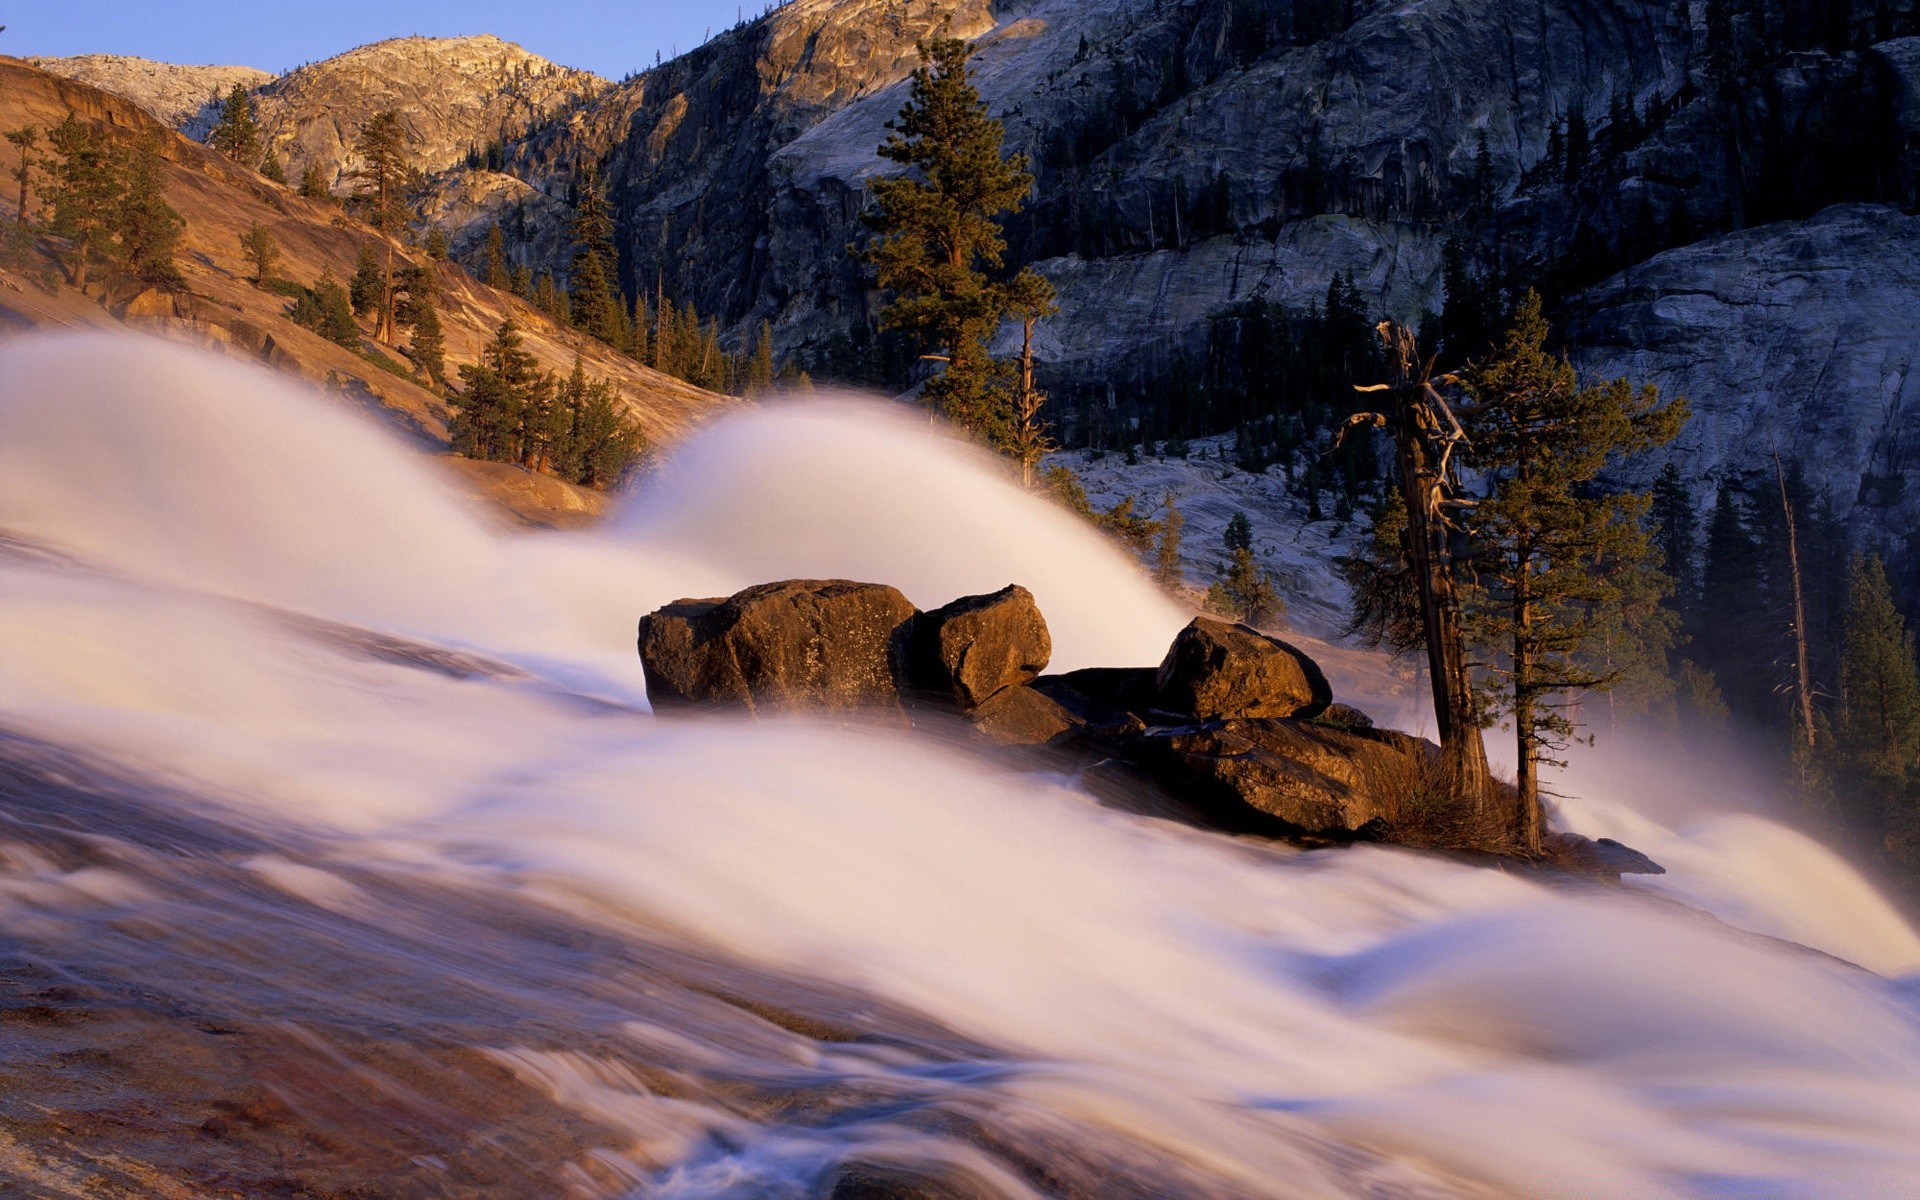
x=1216 y=669
x=1307 y=777
x=799 y=644
x=977 y=646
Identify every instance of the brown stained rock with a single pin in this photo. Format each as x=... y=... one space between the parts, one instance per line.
x=798 y=644
x=1308 y=777
x=1021 y=716
x=1216 y=669
x=977 y=646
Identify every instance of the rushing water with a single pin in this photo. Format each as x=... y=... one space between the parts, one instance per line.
x=292 y=736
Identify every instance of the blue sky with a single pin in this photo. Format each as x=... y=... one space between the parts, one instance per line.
x=609 y=38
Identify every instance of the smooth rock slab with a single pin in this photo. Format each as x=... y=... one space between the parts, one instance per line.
x=828 y=644
x=977 y=646
x=1216 y=669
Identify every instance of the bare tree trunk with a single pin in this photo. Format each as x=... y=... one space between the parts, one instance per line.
x=1028 y=413
x=1526 y=748
x=1802 y=680
x=384 y=331
x=1422 y=481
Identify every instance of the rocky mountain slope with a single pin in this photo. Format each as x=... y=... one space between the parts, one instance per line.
x=222 y=309
x=453 y=95
x=1197 y=158
x=184 y=97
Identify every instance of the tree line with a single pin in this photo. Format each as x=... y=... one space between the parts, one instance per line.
x=671 y=337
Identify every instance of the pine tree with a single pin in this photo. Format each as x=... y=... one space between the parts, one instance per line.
x=498 y=276
x=1731 y=639
x=149 y=228
x=1029 y=300
x=415 y=309
x=596 y=304
x=1556 y=559
x=428 y=344
x=381 y=150
x=1676 y=536
x=437 y=247
x=326 y=309
x=368 y=287
x=313 y=183
x=1167 y=558
x=86 y=190
x=1244 y=590
x=938 y=234
x=548 y=298
x=270 y=167
x=495 y=399
x=262 y=250
x=760 y=370
x=235 y=134
x=25 y=140
x=1878 y=730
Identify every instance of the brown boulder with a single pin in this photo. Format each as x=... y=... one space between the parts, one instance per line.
x=1021 y=716
x=1216 y=669
x=1310 y=778
x=799 y=644
x=977 y=646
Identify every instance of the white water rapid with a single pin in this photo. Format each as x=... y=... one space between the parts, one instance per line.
x=300 y=708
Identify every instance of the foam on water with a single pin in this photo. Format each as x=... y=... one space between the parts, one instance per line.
x=1221 y=1000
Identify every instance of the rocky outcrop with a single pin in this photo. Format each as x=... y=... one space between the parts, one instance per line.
x=453 y=95
x=970 y=650
x=1796 y=336
x=184 y=97
x=830 y=644
x=1218 y=669
x=847 y=648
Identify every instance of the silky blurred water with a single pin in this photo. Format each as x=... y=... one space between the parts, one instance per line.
x=268 y=614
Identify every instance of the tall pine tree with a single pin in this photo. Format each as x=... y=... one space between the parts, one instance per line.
x=938 y=235
x=1557 y=559
x=235 y=134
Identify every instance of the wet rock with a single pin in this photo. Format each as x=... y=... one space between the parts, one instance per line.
x=1309 y=777
x=878 y=1181
x=802 y=643
x=977 y=646
x=1217 y=669
x=1022 y=716
x=1601 y=857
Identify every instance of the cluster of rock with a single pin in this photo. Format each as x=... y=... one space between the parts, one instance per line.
x=1235 y=725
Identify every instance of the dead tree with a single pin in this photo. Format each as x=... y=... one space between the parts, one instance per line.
x=1425 y=437
x=1802 y=677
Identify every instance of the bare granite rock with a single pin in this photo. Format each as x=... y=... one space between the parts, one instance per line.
x=973 y=648
x=801 y=644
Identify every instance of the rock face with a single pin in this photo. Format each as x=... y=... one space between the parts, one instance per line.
x=977 y=646
x=184 y=97
x=1219 y=669
x=452 y=94
x=1796 y=335
x=800 y=644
